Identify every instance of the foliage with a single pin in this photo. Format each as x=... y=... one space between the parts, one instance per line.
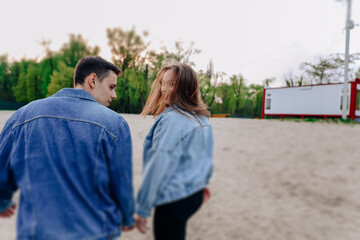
x=29 y=79
x=328 y=69
x=126 y=47
x=62 y=78
x=77 y=47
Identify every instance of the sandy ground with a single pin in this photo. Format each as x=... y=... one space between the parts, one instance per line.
x=273 y=180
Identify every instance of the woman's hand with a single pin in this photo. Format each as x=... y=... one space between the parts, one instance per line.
x=141 y=224
x=8 y=212
x=206 y=196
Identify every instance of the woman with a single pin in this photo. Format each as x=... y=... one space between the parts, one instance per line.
x=177 y=157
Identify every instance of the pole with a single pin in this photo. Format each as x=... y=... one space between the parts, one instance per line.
x=349 y=25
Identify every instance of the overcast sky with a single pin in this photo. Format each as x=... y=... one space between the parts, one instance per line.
x=256 y=38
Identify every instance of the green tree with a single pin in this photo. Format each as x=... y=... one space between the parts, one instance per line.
x=180 y=54
x=13 y=76
x=126 y=47
x=207 y=90
x=77 y=48
x=62 y=78
x=328 y=69
x=238 y=86
x=5 y=81
x=268 y=81
x=20 y=92
x=34 y=81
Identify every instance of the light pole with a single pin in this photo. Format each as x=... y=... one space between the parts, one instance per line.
x=348 y=26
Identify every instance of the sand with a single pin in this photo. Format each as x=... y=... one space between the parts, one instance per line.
x=273 y=180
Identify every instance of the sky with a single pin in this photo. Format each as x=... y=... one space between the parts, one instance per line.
x=258 y=39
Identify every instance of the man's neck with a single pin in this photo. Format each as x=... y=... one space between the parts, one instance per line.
x=79 y=86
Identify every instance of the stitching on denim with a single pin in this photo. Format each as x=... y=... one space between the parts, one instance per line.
x=28 y=187
x=96 y=177
x=187 y=134
x=158 y=126
x=5 y=140
x=64 y=118
x=76 y=96
x=122 y=162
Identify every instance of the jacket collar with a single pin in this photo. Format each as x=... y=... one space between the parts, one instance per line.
x=73 y=92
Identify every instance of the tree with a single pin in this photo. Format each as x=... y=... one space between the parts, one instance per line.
x=237 y=84
x=13 y=77
x=207 y=90
x=62 y=78
x=327 y=69
x=126 y=47
x=181 y=53
x=321 y=72
x=77 y=48
x=20 y=92
x=33 y=82
x=5 y=84
x=268 y=81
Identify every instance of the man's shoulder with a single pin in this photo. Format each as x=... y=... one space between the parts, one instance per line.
x=81 y=110
x=112 y=121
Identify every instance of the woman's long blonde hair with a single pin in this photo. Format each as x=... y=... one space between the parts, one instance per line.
x=186 y=93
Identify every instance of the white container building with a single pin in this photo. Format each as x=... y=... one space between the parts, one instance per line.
x=323 y=100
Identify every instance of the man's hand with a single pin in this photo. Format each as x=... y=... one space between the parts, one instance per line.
x=140 y=224
x=127 y=229
x=8 y=212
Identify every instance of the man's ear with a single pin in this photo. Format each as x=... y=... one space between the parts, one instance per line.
x=91 y=80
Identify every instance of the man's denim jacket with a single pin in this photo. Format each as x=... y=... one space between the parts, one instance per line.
x=177 y=159
x=71 y=159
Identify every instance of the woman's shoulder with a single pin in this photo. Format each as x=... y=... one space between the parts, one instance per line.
x=182 y=120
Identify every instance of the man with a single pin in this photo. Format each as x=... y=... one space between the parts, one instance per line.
x=71 y=159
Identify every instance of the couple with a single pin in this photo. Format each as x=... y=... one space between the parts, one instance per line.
x=71 y=158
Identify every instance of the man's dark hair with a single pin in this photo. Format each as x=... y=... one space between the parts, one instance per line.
x=93 y=64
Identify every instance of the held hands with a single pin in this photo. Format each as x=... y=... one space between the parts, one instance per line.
x=8 y=212
x=141 y=224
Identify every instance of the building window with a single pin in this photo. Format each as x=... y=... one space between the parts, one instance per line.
x=341 y=102
x=358 y=100
x=268 y=103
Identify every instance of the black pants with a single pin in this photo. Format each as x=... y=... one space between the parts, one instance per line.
x=170 y=219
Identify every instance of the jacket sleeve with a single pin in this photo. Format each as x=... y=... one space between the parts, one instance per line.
x=157 y=166
x=120 y=166
x=7 y=181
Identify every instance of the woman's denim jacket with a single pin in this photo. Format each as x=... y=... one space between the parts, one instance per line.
x=71 y=159
x=177 y=159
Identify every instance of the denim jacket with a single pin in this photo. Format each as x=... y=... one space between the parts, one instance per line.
x=71 y=159
x=177 y=159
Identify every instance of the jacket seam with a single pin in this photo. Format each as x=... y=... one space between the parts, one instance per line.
x=186 y=135
x=28 y=187
x=72 y=96
x=122 y=162
x=64 y=118
x=101 y=135
x=5 y=140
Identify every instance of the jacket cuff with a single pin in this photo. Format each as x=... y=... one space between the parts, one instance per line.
x=5 y=204
x=129 y=222
x=143 y=213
